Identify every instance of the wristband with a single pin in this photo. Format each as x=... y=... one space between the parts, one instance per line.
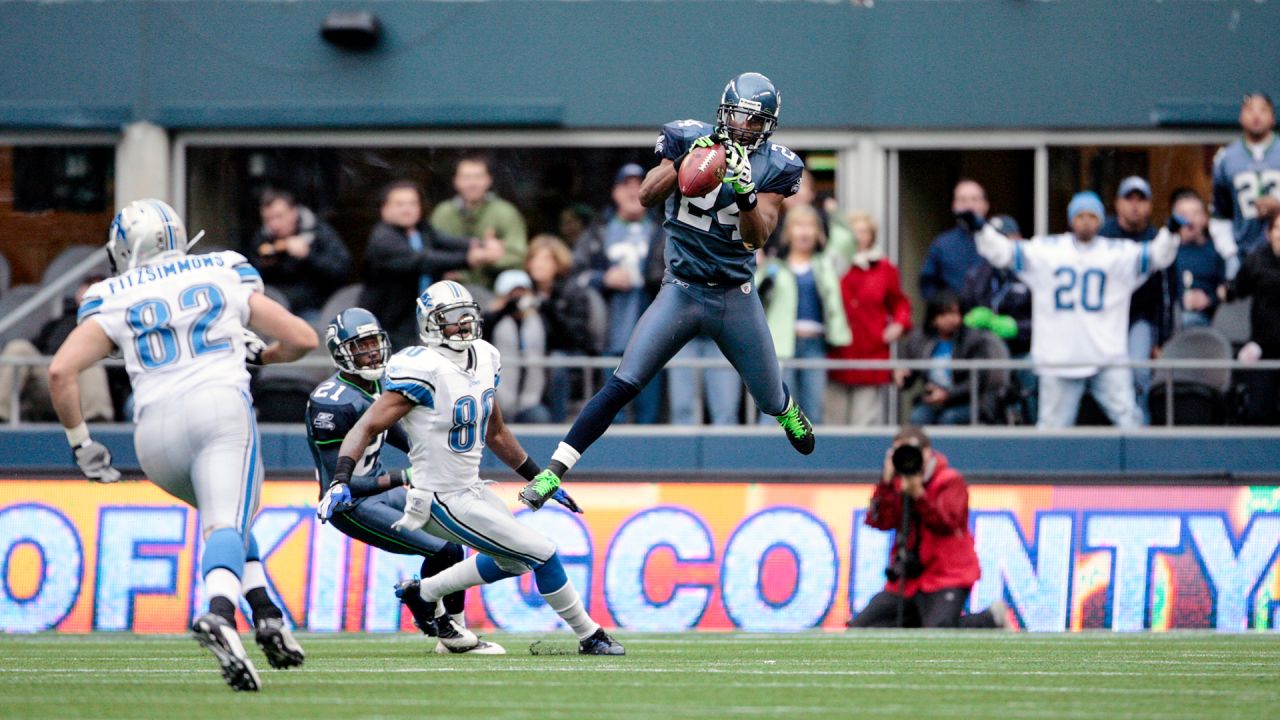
x=528 y=469
x=746 y=201
x=401 y=477
x=77 y=435
x=343 y=469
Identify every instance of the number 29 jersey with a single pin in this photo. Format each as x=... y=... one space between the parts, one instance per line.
x=178 y=322
x=452 y=406
x=703 y=242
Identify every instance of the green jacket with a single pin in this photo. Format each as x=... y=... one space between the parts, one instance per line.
x=783 y=299
x=494 y=213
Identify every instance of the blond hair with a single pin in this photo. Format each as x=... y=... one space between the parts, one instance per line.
x=801 y=212
x=861 y=216
x=559 y=251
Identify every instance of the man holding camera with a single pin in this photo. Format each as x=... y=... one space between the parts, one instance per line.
x=933 y=564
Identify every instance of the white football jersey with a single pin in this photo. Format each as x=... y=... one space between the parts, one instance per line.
x=1080 y=298
x=452 y=406
x=178 y=321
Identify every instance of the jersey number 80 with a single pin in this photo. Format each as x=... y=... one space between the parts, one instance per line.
x=464 y=434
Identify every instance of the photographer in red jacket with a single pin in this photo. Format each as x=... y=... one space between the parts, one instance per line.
x=934 y=564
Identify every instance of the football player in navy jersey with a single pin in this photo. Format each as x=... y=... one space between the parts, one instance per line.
x=708 y=289
x=367 y=507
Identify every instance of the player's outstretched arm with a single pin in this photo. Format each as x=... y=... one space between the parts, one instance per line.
x=658 y=184
x=994 y=247
x=381 y=415
x=293 y=335
x=86 y=345
x=757 y=224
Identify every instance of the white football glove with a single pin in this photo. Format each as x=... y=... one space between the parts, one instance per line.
x=254 y=346
x=417 y=511
x=94 y=460
x=336 y=499
x=738 y=169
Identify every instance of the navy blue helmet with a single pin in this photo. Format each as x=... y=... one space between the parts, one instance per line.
x=748 y=111
x=358 y=344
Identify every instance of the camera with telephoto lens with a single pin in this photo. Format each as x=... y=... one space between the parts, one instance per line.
x=907 y=460
x=906 y=563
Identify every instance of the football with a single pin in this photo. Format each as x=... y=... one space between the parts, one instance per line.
x=702 y=171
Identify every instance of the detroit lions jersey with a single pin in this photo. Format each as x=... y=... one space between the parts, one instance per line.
x=452 y=406
x=1080 y=298
x=179 y=322
x=1239 y=179
x=332 y=410
x=703 y=242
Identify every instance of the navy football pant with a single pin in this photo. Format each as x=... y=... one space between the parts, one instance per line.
x=731 y=315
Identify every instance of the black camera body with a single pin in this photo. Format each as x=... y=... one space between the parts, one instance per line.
x=907 y=460
x=906 y=564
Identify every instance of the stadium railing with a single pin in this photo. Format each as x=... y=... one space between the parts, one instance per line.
x=1167 y=379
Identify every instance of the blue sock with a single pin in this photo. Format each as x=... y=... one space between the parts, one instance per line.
x=252 y=554
x=599 y=413
x=550 y=576
x=489 y=570
x=224 y=549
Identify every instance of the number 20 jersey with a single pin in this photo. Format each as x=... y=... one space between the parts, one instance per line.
x=178 y=322
x=703 y=242
x=452 y=406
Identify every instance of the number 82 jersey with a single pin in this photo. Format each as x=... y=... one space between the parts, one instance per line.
x=452 y=407
x=179 y=322
x=703 y=242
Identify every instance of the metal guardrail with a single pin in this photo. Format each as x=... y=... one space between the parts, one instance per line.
x=609 y=363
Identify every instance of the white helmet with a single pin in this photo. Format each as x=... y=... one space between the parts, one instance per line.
x=444 y=304
x=142 y=231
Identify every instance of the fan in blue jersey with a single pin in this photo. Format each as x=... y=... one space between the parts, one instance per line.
x=708 y=289
x=1246 y=175
x=366 y=508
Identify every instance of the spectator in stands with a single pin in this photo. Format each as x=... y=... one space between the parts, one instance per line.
x=566 y=304
x=404 y=256
x=298 y=254
x=476 y=212
x=620 y=257
x=839 y=236
x=1080 y=287
x=32 y=381
x=1154 y=306
x=947 y=399
x=514 y=325
x=934 y=562
x=953 y=253
x=1245 y=191
x=879 y=313
x=1201 y=270
x=998 y=301
x=574 y=220
x=1259 y=278
x=803 y=306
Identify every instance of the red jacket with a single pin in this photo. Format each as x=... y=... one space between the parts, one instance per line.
x=942 y=513
x=873 y=298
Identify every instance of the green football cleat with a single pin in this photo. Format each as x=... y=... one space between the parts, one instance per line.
x=540 y=489
x=798 y=428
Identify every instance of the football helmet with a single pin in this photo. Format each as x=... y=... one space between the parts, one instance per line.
x=448 y=316
x=142 y=231
x=748 y=111
x=358 y=344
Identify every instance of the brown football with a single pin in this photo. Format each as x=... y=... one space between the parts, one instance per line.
x=702 y=171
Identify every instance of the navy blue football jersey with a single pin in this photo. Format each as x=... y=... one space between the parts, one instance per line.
x=703 y=242
x=332 y=410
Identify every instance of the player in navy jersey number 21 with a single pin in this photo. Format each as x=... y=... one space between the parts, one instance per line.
x=710 y=254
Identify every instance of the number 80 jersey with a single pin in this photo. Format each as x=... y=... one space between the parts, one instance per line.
x=703 y=242
x=179 y=322
x=452 y=407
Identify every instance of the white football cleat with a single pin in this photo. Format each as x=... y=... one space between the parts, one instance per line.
x=456 y=639
x=219 y=637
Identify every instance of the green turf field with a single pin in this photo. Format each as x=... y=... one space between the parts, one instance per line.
x=882 y=675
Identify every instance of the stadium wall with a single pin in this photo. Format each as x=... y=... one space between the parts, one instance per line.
x=605 y=64
x=666 y=556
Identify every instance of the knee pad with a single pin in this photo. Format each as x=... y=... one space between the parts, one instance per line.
x=550 y=575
